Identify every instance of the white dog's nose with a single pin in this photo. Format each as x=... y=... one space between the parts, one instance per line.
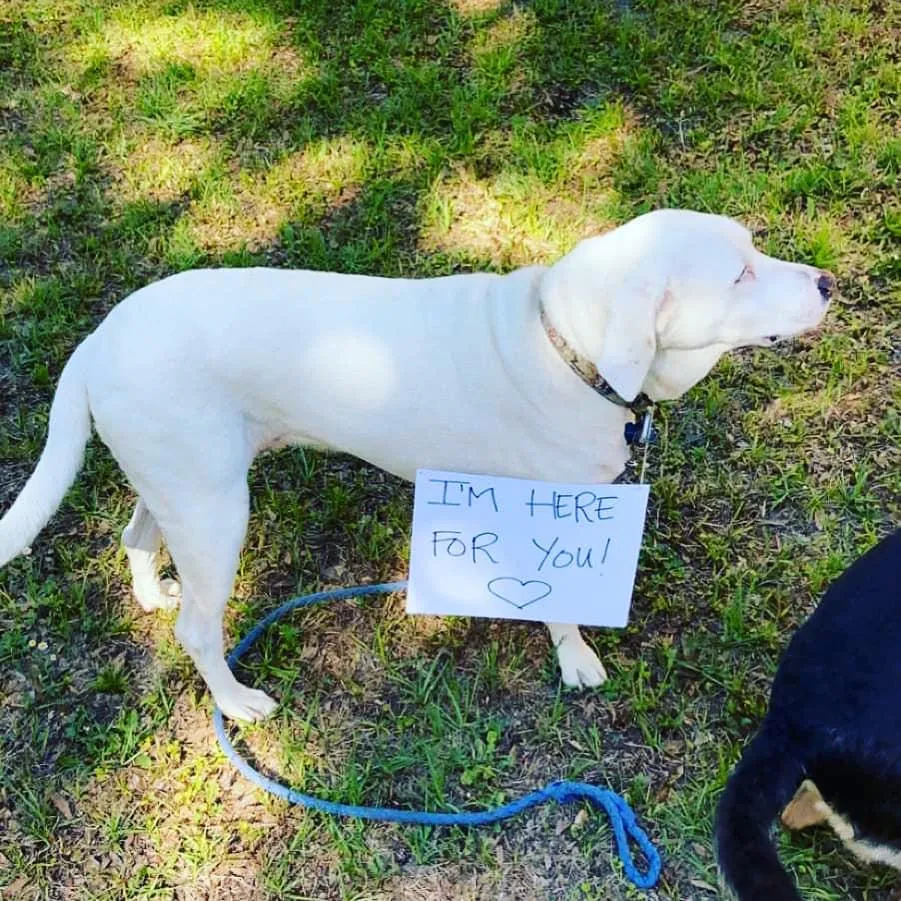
x=826 y=285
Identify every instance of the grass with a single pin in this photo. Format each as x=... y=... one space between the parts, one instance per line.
x=405 y=137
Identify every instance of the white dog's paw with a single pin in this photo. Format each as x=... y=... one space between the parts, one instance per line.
x=170 y=594
x=165 y=595
x=579 y=665
x=248 y=704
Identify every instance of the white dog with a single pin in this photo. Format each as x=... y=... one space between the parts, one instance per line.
x=188 y=379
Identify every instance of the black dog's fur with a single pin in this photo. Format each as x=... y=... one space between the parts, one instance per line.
x=834 y=718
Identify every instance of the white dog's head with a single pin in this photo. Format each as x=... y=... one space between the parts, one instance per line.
x=655 y=303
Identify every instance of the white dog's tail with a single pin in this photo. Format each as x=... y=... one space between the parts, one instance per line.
x=70 y=428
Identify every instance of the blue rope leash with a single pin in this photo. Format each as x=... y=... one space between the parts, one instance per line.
x=622 y=819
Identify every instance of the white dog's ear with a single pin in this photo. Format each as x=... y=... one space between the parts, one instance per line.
x=605 y=301
x=629 y=341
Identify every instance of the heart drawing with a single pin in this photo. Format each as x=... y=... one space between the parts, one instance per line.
x=517 y=593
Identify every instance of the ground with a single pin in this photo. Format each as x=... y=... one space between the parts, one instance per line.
x=422 y=137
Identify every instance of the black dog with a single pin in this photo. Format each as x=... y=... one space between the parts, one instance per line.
x=833 y=728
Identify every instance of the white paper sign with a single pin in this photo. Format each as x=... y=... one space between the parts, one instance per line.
x=520 y=549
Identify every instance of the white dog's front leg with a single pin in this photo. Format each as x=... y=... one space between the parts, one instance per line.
x=199 y=632
x=579 y=665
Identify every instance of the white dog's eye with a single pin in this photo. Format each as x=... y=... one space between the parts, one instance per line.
x=747 y=275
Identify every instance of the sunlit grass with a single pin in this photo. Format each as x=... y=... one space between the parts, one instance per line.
x=249 y=210
x=477 y=7
x=156 y=169
x=141 y=39
x=559 y=189
x=16 y=190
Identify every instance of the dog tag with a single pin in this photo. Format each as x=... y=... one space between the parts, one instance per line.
x=642 y=432
x=522 y=549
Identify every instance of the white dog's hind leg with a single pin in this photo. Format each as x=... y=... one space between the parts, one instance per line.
x=142 y=539
x=579 y=665
x=205 y=543
x=187 y=457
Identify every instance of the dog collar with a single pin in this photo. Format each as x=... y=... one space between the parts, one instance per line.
x=588 y=372
x=639 y=432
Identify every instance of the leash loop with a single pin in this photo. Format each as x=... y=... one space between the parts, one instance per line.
x=622 y=819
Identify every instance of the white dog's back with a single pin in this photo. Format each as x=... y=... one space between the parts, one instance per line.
x=357 y=364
